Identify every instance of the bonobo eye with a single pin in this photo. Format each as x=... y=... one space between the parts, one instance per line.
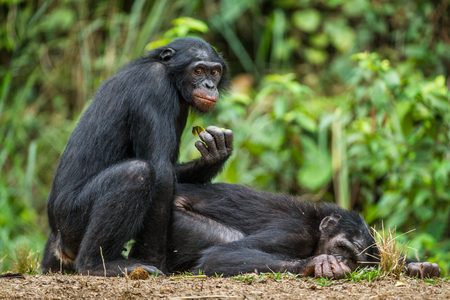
x=343 y=248
x=215 y=72
x=199 y=71
x=354 y=260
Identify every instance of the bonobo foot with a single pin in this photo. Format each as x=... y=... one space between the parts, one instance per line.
x=326 y=266
x=422 y=270
x=118 y=268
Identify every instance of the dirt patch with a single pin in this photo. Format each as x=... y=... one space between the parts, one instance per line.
x=86 y=287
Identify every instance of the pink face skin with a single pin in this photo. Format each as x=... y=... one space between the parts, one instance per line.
x=205 y=77
x=203 y=101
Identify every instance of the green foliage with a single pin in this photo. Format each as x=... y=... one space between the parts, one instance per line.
x=399 y=146
x=26 y=261
x=390 y=147
x=184 y=26
x=369 y=274
x=323 y=281
x=246 y=278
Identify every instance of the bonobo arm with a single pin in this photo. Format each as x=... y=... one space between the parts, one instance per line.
x=269 y=252
x=218 y=260
x=215 y=149
x=421 y=269
x=228 y=260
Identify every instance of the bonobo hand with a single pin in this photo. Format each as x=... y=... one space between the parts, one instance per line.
x=422 y=270
x=217 y=146
x=326 y=266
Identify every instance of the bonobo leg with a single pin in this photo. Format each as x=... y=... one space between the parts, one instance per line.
x=118 y=200
x=54 y=260
x=258 y=253
x=251 y=254
x=191 y=233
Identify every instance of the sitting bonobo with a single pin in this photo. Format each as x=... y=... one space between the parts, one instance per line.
x=116 y=178
x=230 y=229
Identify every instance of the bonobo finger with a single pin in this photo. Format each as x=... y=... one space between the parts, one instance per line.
x=209 y=141
x=338 y=273
x=218 y=135
x=414 y=270
x=427 y=268
x=345 y=268
x=228 y=139
x=436 y=271
x=202 y=148
x=430 y=270
x=318 y=266
x=326 y=269
x=322 y=266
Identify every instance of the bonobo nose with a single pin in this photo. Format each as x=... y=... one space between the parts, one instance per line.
x=209 y=84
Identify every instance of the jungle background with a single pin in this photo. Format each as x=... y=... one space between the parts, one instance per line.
x=345 y=101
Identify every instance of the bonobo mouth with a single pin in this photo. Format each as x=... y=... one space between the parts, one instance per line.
x=206 y=98
x=204 y=101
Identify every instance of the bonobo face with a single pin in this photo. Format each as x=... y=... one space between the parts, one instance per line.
x=196 y=70
x=349 y=243
x=350 y=253
x=204 y=78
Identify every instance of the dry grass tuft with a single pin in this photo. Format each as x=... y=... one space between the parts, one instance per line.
x=392 y=252
x=26 y=261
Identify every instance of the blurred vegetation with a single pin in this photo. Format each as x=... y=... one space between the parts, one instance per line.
x=346 y=101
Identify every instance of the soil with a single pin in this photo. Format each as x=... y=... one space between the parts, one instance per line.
x=58 y=286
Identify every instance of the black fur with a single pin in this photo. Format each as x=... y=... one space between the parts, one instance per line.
x=230 y=229
x=117 y=176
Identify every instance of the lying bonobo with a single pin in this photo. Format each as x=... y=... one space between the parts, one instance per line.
x=230 y=229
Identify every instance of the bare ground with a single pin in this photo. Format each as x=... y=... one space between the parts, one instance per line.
x=58 y=286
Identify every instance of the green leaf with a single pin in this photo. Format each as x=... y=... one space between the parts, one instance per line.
x=280 y=107
x=319 y=40
x=392 y=78
x=305 y=121
x=58 y=19
x=192 y=24
x=307 y=20
x=317 y=57
x=343 y=39
x=316 y=171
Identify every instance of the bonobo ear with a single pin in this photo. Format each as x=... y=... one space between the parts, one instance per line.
x=167 y=54
x=329 y=222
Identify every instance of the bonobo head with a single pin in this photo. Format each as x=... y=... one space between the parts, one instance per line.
x=195 y=69
x=348 y=239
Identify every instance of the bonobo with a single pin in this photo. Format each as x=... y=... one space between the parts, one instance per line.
x=230 y=229
x=116 y=178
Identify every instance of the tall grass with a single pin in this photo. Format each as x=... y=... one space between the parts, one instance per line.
x=392 y=252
